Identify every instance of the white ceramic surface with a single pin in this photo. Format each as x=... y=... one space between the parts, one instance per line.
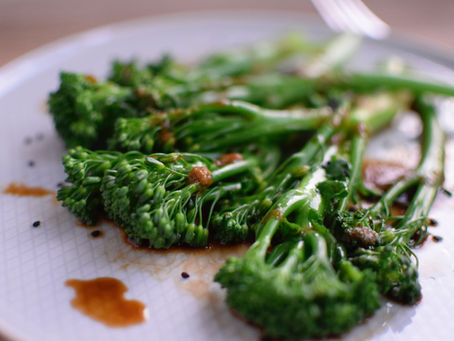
x=35 y=262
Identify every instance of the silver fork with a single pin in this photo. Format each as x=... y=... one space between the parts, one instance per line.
x=351 y=16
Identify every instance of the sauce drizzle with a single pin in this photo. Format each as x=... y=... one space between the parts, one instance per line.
x=22 y=190
x=103 y=300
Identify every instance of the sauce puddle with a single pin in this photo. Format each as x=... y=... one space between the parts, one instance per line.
x=103 y=300
x=382 y=174
x=22 y=190
x=200 y=264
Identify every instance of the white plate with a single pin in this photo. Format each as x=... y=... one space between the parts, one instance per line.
x=36 y=262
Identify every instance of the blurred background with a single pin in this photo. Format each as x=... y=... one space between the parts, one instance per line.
x=27 y=24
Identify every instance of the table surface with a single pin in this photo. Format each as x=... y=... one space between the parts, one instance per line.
x=27 y=24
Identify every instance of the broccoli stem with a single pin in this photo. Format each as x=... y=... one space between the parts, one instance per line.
x=369 y=116
x=212 y=127
x=233 y=169
x=367 y=81
x=391 y=260
x=254 y=122
x=357 y=152
x=428 y=176
x=430 y=169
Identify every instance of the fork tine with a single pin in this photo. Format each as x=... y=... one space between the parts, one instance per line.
x=371 y=25
x=353 y=16
x=345 y=14
x=325 y=9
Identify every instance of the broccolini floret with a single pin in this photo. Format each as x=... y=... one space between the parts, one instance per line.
x=85 y=170
x=295 y=291
x=84 y=109
x=160 y=199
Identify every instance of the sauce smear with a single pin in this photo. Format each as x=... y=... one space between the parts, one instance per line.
x=22 y=190
x=103 y=300
x=382 y=174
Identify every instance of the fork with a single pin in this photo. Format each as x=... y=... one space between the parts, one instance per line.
x=351 y=16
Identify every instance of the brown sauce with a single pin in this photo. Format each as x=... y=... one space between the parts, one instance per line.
x=92 y=79
x=103 y=300
x=382 y=174
x=227 y=159
x=166 y=135
x=201 y=175
x=22 y=190
x=200 y=264
x=274 y=214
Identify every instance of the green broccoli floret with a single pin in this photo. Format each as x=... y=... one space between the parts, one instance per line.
x=85 y=170
x=396 y=273
x=131 y=74
x=84 y=110
x=163 y=199
x=295 y=291
x=160 y=199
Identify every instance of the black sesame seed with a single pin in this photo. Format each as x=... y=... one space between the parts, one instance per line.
x=36 y=223
x=31 y=163
x=28 y=140
x=184 y=275
x=334 y=103
x=432 y=222
x=437 y=238
x=447 y=192
x=96 y=233
x=40 y=136
x=60 y=185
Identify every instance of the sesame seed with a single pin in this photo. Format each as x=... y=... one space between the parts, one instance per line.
x=437 y=238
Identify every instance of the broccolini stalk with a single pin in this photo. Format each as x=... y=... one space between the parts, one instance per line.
x=391 y=259
x=364 y=82
x=274 y=91
x=370 y=114
x=298 y=275
x=211 y=127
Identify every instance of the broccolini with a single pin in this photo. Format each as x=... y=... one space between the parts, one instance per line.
x=262 y=145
